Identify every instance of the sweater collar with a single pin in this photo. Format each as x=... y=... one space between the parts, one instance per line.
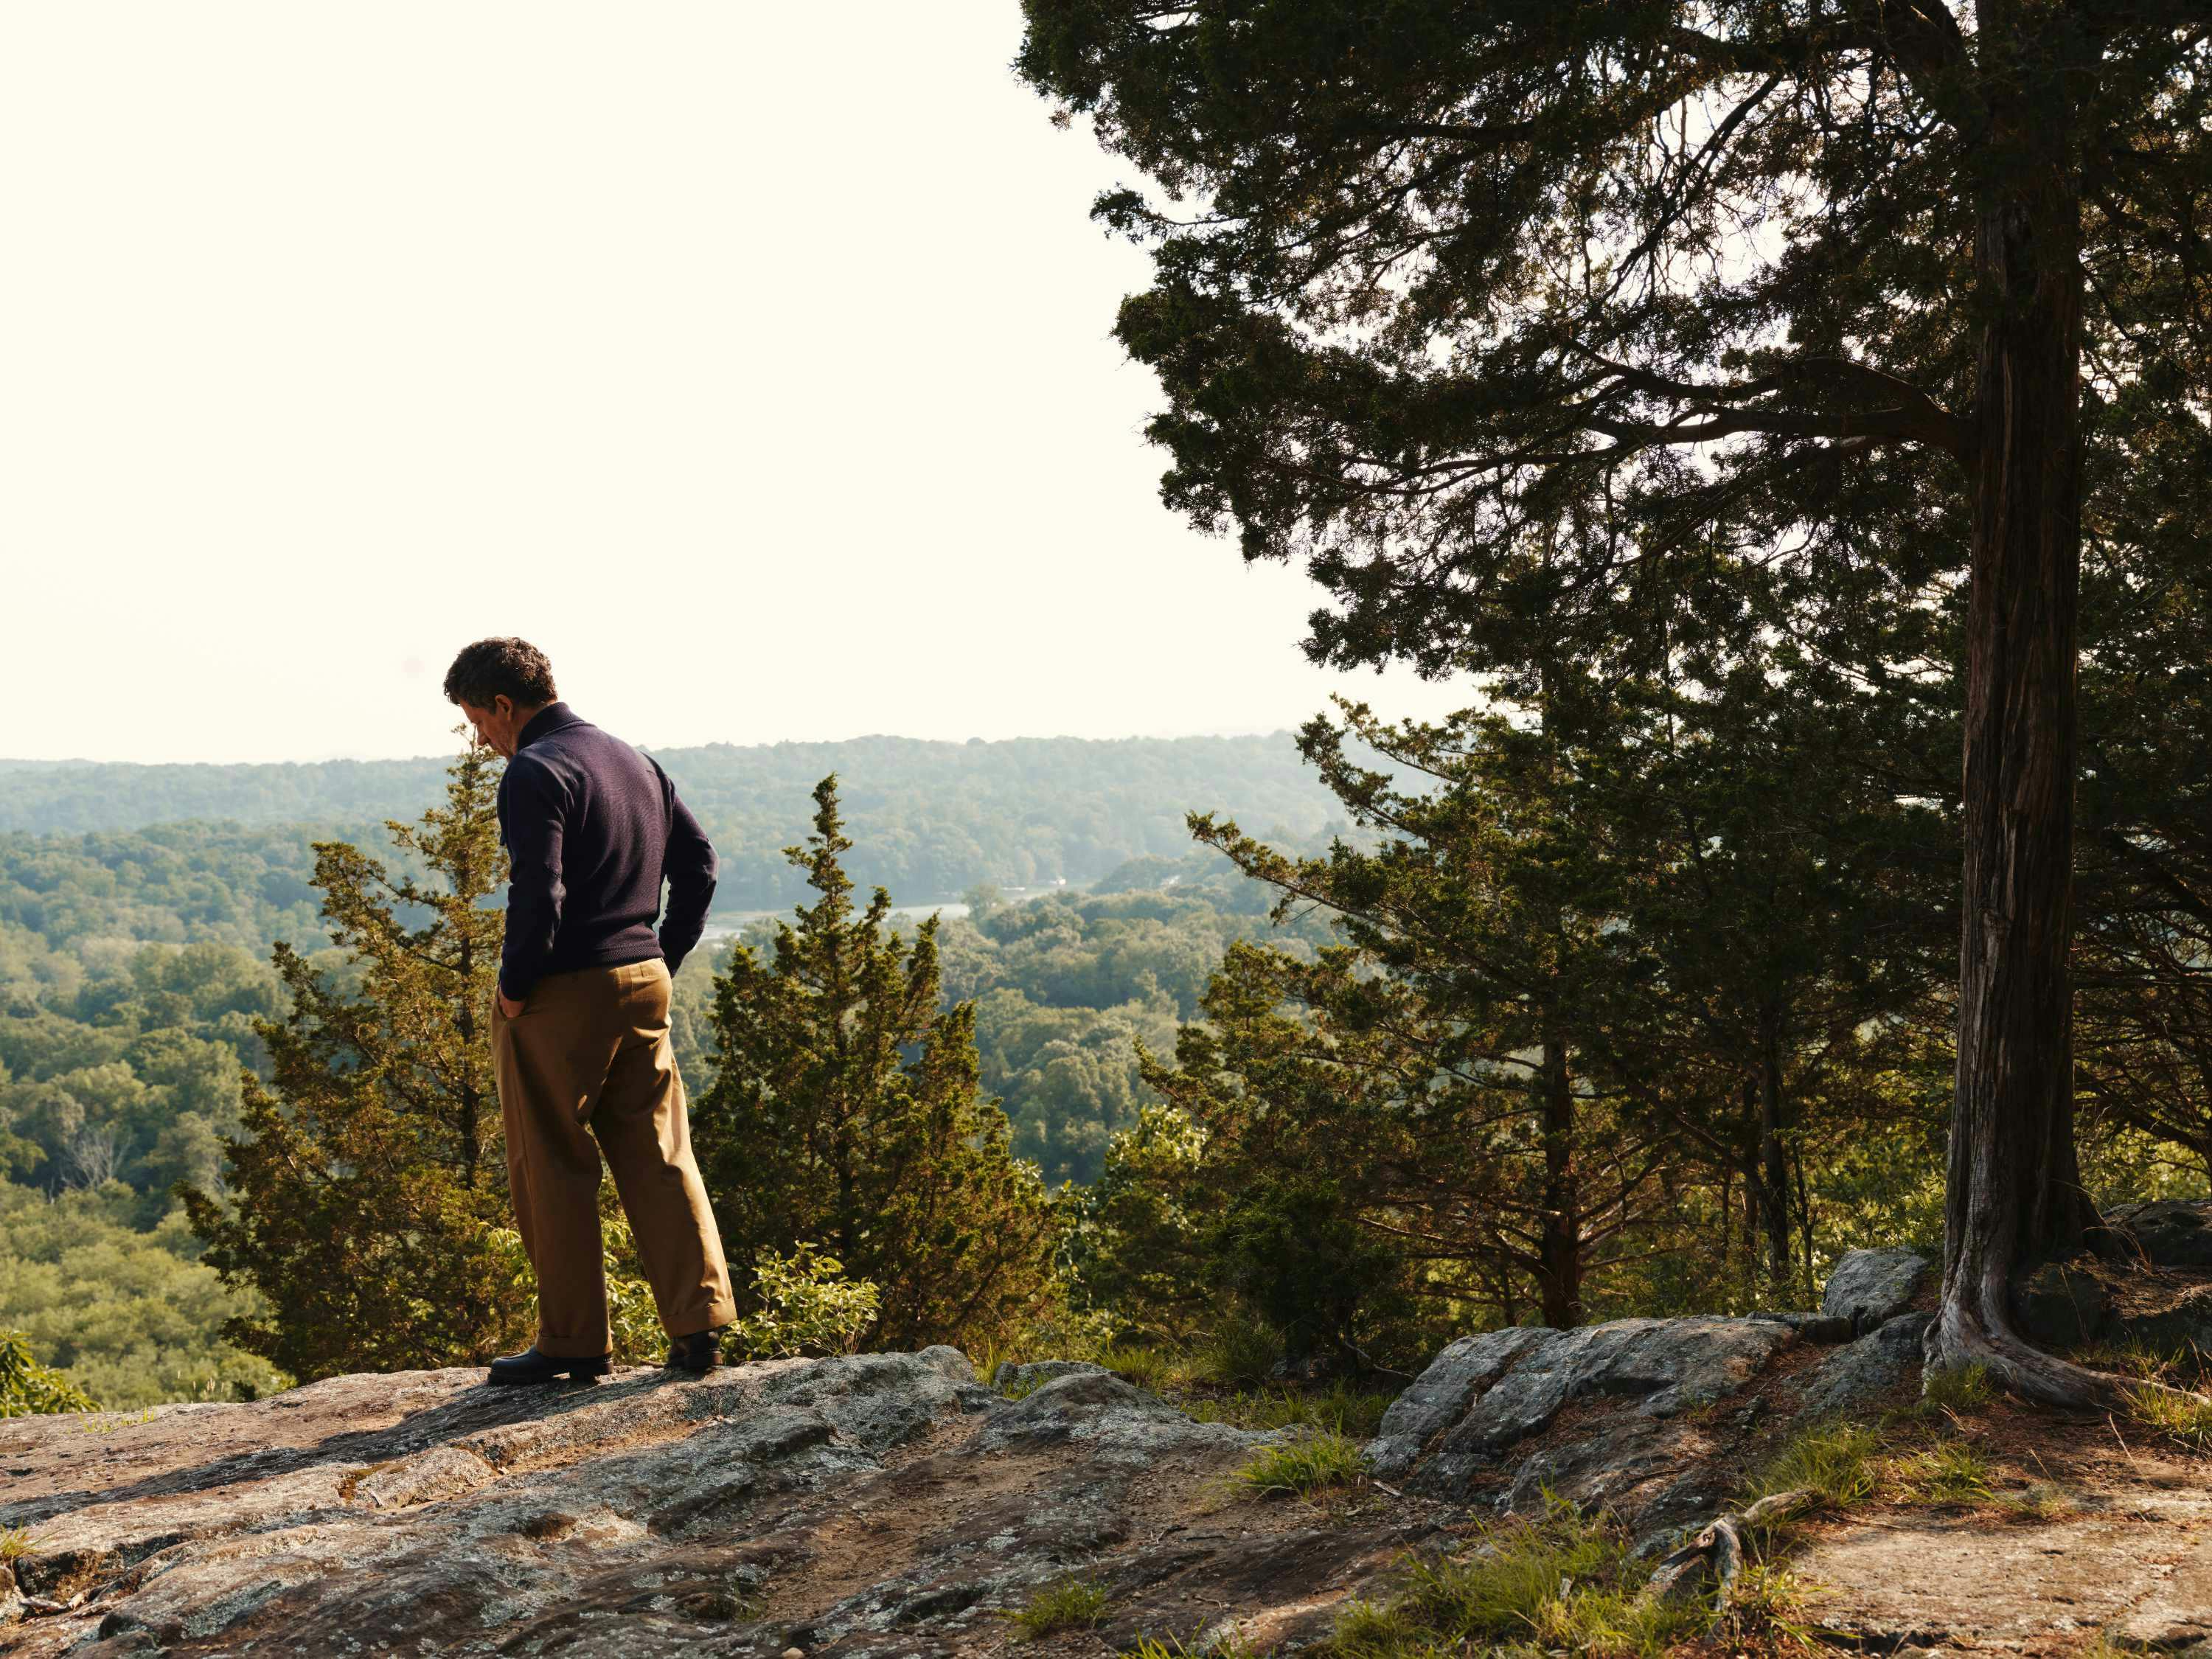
x=552 y=718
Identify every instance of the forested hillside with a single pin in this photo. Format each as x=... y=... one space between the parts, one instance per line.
x=928 y=819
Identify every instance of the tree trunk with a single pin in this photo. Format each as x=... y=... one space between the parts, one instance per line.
x=1804 y=1225
x=1561 y=1248
x=1727 y=1217
x=2013 y=1190
x=1773 y=1167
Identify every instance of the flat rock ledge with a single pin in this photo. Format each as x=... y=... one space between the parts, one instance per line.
x=869 y=1506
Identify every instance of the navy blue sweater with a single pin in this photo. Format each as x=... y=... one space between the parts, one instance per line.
x=591 y=826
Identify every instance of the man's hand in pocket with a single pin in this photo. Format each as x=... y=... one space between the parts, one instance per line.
x=508 y=1006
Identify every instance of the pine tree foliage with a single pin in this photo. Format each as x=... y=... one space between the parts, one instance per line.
x=1610 y=981
x=846 y=1114
x=363 y=1196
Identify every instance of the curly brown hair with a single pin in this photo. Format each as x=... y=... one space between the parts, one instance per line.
x=501 y=667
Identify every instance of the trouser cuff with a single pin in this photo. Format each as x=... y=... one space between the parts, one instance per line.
x=722 y=1313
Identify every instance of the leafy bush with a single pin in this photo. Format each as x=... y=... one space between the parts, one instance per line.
x=807 y=1306
x=30 y=1390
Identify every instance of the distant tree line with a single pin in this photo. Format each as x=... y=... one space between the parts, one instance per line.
x=134 y=849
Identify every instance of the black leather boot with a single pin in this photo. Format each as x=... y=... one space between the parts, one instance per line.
x=702 y=1350
x=532 y=1366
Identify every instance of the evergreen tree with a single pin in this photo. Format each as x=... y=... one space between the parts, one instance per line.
x=363 y=1196
x=1465 y=1001
x=2144 y=966
x=846 y=1114
x=1779 y=926
x=1852 y=311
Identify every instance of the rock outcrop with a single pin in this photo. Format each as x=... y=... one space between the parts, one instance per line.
x=876 y=1505
x=1872 y=1287
x=1476 y=1427
x=2156 y=1293
x=2168 y=1232
x=1861 y=1372
x=1648 y=1416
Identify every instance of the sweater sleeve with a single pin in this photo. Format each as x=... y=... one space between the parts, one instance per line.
x=535 y=822
x=690 y=866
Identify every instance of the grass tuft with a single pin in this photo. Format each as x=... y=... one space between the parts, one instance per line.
x=1023 y=1388
x=1967 y=1388
x=2183 y=1419
x=1227 y=1647
x=1951 y=1472
x=2180 y=1367
x=15 y=1543
x=1555 y=1583
x=1148 y=1369
x=1352 y=1413
x=1834 y=1460
x=1765 y=1612
x=2042 y=1501
x=1304 y=1465
x=1241 y=1353
x=1070 y=1604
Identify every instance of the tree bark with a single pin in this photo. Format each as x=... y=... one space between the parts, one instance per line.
x=1560 y=1247
x=1773 y=1169
x=2014 y=1191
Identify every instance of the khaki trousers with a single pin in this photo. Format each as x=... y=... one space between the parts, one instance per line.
x=588 y=1068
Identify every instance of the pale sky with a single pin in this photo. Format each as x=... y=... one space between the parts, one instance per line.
x=676 y=338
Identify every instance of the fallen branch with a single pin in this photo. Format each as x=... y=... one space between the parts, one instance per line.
x=1719 y=1546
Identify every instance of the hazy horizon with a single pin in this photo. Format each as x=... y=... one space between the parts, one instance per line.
x=1286 y=731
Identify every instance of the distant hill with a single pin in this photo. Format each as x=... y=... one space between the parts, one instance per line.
x=927 y=819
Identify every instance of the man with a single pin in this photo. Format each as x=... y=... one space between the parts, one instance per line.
x=580 y=1027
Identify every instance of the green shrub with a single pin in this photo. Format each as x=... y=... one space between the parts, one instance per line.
x=807 y=1306
x=1293 y=1246
x=30 y=1390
